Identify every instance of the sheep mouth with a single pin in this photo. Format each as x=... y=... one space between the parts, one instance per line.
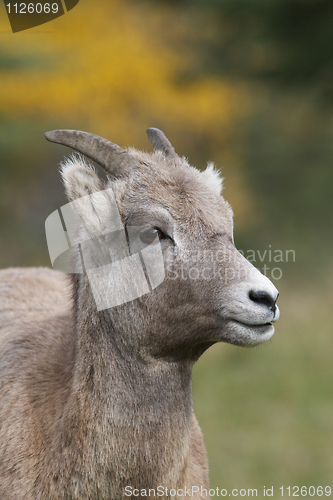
x=252 y=325
x=248 y=335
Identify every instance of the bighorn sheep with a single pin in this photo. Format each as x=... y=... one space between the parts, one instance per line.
x=96 y=403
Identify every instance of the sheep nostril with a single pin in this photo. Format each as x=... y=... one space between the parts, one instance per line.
x=262 y=297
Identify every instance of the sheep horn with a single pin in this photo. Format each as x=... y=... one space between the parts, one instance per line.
x=160 y=142
x=111 y=157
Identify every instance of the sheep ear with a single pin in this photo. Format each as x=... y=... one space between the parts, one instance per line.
x=92 y=207
x=79 y=178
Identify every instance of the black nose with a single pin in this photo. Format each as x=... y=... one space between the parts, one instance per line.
x=261 y=297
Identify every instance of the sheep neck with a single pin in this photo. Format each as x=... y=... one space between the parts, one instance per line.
x=146 y=406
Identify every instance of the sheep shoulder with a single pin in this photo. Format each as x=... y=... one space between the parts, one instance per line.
x=36 y=358
x=37 y=334
x=37 y=354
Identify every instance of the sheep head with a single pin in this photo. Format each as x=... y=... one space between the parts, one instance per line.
x=204 y=291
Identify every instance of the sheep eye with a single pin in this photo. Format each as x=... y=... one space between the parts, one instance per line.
x=148 y=236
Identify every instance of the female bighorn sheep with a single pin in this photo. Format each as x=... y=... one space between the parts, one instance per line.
x=95 y=381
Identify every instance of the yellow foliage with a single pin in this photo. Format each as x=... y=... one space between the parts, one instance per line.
x=104 y=66
x=109 y=67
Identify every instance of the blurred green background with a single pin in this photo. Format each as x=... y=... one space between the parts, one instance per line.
x=247 y=84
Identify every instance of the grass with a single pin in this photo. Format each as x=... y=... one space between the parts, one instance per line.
x=267 y=413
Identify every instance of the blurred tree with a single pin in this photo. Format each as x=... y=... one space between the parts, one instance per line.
x=111 y=75
x=98 y=70
x=290 y=41
x=282 y=51
x=246 y=83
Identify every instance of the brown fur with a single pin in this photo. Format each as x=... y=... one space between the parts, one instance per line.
x=52 y=434
x=94 y=401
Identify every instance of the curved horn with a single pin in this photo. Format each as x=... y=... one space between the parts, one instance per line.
x=111 y=157
x=160 y=142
